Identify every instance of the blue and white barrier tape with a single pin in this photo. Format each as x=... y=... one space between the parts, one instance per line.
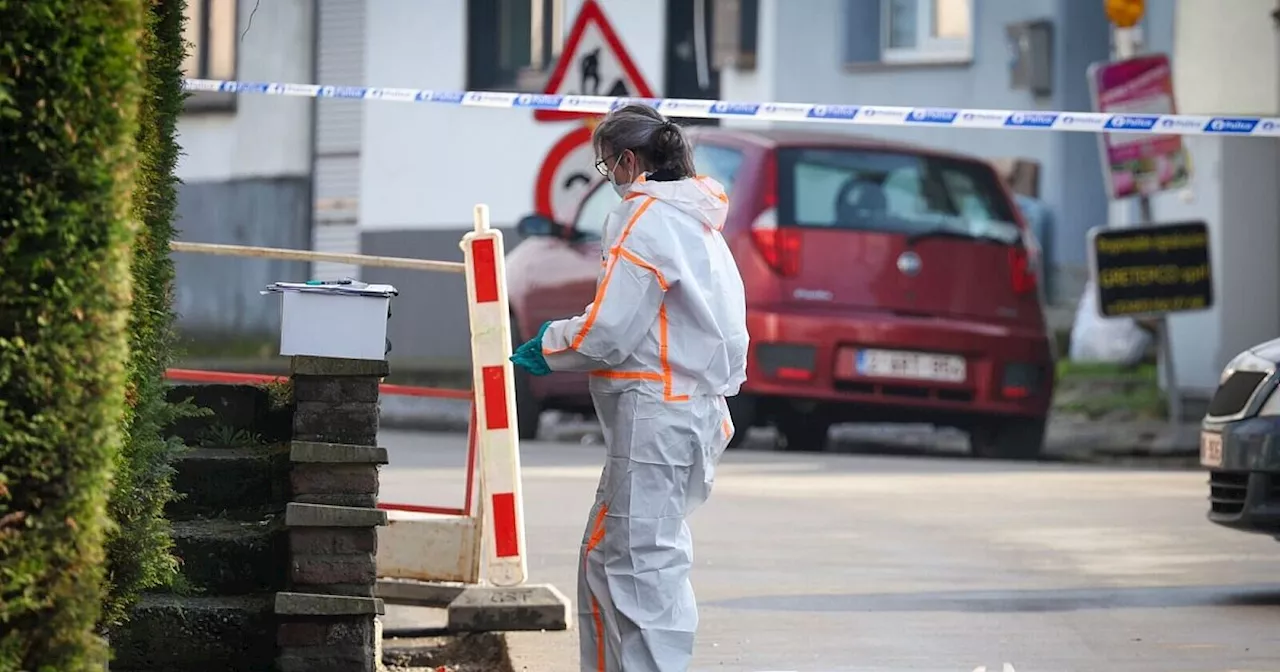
x=867 y=115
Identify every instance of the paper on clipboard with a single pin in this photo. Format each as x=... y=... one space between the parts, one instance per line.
x=345 y=287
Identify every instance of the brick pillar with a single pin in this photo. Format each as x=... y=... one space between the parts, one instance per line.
x=337 y=400
x=328 y=617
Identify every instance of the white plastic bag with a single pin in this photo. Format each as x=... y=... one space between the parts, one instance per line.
x=1111 y=340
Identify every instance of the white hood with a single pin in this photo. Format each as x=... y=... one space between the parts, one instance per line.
x=702 y=198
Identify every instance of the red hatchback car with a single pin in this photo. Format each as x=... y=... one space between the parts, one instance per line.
x=885 y=283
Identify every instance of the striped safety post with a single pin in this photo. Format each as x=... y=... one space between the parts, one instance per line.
x=495 y=405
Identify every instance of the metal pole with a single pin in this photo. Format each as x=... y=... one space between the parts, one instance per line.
x=1127 y=44
x=1170 y=376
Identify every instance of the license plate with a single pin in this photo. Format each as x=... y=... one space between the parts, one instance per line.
x=1210 y=449
x=910 y=365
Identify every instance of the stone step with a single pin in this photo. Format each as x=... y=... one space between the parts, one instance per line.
x=219 y=482
x=197 y=634
x=231 y=557
x=243 y=409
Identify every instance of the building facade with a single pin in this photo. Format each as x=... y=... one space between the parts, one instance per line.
x=245 y=168
x=401 y=179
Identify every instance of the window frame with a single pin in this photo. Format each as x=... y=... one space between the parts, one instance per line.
x=928 y=49
x=598 y=233
x=211 y=101
x=546 y=43
x=708 y=146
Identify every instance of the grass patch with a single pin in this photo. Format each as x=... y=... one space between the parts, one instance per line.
x=229 y=346
x=1098 y=391
x=1076 y=371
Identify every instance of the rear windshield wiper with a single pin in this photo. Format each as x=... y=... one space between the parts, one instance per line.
x=948 y=232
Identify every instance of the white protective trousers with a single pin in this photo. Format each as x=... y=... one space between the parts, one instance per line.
x=636 y=608
x=665 y=341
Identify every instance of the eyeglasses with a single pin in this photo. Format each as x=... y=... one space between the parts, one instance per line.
x=602 y=165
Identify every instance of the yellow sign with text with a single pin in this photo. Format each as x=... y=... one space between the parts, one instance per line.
x=1152 y=270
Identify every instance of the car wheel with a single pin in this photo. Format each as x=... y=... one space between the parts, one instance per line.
x=742 y=409
x=802 y=432
x=1014 y=439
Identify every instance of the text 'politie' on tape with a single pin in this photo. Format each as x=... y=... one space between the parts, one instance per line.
x=867 y=115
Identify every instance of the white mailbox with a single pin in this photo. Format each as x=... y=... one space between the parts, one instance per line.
x=345 y=319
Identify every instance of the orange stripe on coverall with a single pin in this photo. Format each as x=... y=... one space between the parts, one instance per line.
x=604 y=284
x=597 y=536
x=665 y=376
x=667 y=383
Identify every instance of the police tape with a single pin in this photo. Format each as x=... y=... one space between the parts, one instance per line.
x=867 y=115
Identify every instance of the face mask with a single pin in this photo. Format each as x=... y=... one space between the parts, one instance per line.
x=623 y=188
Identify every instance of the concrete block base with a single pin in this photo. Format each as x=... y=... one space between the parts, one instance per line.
x=418 y=593
x=495 y=609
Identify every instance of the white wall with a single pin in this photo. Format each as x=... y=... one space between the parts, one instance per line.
x=1219 y=68
x=1225 y=63
x=1196 y=337
x=1226 y=59
x=1234 y=191
x=801 y=52
x=427 y=165
x=266 y=136
x=760 y=84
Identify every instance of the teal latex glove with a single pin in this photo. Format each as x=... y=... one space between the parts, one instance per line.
x=529 y=355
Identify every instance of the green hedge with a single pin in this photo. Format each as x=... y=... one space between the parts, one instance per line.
x=139 y=550
x=69 y=88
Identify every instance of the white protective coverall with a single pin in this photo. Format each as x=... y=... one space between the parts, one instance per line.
x=665 y=341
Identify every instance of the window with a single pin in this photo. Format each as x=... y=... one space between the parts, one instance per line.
x=719 y=163
x=210 y=33
x=594 y=209
x=908 y=31
x=512 y=45
x=892 y=192
x=927 y=30
x=735 y=33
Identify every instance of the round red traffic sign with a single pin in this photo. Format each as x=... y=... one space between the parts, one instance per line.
x=566 y=177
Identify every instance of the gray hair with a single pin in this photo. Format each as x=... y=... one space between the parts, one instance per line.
x=657 y=141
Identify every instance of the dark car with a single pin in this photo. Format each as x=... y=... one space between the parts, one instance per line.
x=1240 y=443
x=885 y=283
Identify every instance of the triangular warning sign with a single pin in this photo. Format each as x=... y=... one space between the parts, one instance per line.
x=593 y=63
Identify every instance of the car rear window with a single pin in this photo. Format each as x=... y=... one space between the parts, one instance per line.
x=719 y=163
x=891 y=192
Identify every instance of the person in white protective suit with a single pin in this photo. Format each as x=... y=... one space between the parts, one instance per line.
x=665 y=341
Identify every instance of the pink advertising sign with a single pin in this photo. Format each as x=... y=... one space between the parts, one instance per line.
x=1138 y=163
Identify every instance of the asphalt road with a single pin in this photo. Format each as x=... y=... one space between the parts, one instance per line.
x=844 y=562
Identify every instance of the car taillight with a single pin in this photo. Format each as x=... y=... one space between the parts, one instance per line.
x=778 y=246
x=1022 y=270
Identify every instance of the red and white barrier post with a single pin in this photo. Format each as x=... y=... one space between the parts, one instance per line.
x=499 y=443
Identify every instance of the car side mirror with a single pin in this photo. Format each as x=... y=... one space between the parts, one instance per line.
x=535 y=225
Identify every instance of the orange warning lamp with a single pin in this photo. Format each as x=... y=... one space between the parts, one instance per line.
x=1124 y=13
